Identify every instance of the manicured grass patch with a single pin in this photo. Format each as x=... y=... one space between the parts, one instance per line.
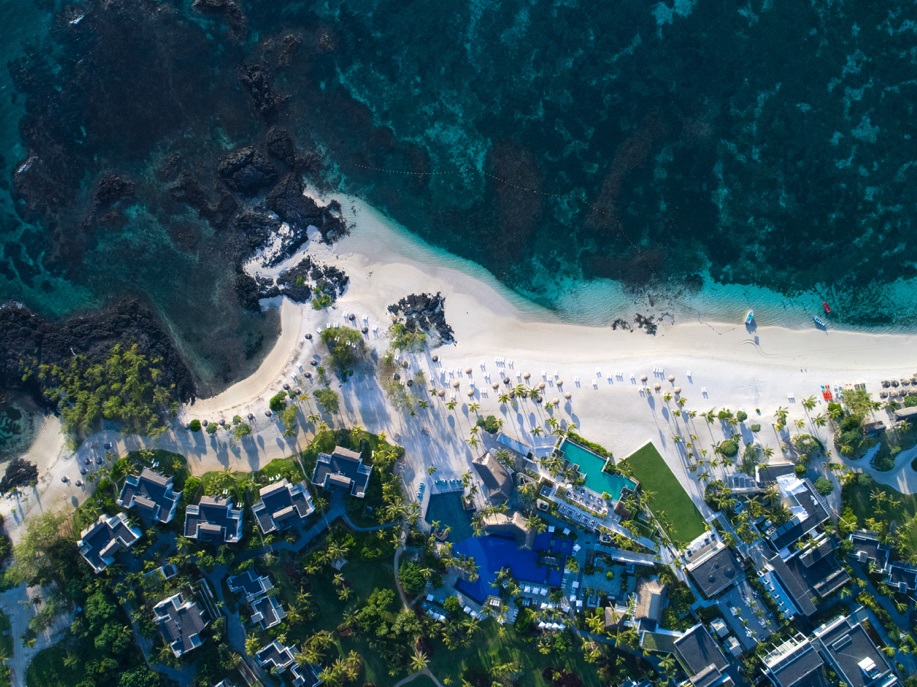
x=363 y=577
x=860 y=496
x=49 y=668
x=234 y=483
x=489 y=649
x=280 y=468
x=669 y=502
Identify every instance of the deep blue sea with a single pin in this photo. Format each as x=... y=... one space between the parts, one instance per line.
x=688 y=157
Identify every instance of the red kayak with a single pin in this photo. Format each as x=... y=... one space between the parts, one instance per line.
x=826 y=307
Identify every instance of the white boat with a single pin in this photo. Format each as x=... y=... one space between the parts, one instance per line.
x=750 y=317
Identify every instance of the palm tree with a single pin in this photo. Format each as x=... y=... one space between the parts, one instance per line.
x=820 y=420
x=809 y=403
x=419 y=661
x=474 y=408
x=503 y=398
x=451 y=403
x=537 y=431
x=251 y=645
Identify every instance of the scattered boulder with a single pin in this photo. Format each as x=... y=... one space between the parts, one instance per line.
x=19 y=473
x=424 y=312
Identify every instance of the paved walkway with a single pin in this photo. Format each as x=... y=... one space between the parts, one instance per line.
x=17 y=604
x=410 y=678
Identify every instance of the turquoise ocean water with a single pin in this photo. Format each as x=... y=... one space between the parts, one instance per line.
x=684 y=160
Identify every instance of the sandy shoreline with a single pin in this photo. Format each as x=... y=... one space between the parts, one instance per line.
x=769 y=368
x=729 y=367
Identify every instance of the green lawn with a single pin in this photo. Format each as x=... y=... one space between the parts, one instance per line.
x=488 y=648
x=670 y=503
x=856 y=495
x=49 y=669
x=6 y=646
x=364 y=577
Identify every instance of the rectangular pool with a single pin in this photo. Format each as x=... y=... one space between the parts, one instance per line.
x=591 y=466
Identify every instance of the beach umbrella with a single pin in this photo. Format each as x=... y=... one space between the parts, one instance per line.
x=365 y=330
x=410 y=382
x=657 y=386
x=506 y=380
x=404 y=363
x=396 y=376
x=455 y=384
x=526 y=375
x=470 y=392
x=435 y=358
x=556 y=400
x=495 y=386
x=541 y=385
x=467 y=370
x=643 y=378
x=442 y=393
x=671 y=378
x=351 y=317
x=567 y=395
x=677 y=389
x=309 y=337
x=560 y=382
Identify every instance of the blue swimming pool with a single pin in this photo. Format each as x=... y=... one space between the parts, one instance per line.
x=591 y=466
x=494 y=552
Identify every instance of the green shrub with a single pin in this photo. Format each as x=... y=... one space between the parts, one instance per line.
x=321 y=300
x=345 y=346
x=194 y=425
x=800 y=469
x=212 y=427
x=403 y=339
x=326 y=399
x=850 y=422
x=741 y=416
x=824 y=486
x=490 y=424
x=755 y=428
x=728 y=448
x=910 y=400
x=278 y=401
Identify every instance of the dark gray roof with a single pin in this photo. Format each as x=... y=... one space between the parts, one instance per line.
x=342 y=468
x=282 y=505
x=770 y=472
x=700 y=656
x=715 y=572
x=180 y=623
x=305 y=676
x=846 y=646
x=866 y=548
x=275 y=655
x=799 y=667
x=214 y=520
x=810 y=575
x=267 y=611
x=109 y=534
x=812 y=512
x=249 y=583
x=151 y=494
x=497 y=480
x=899 y=576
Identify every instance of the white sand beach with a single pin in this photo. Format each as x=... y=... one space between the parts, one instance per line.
x=769 y=368
x=715 y=364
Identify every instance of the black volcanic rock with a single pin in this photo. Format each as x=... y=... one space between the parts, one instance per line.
x=279 y=143
x=424 y=312
x=257 y=81
x=189 y=190
x=256 y=227
x=228 y=10
x=112 y=188
x=32 y=340
x=19 y=473
x=286 y=199
x=247 y=171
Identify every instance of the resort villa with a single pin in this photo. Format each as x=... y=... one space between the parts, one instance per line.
x=180 y=622
x=595 y=503
x=344 y=469
x=282 y=505
x=99 y=542
x=214 y=520
x=151 y=494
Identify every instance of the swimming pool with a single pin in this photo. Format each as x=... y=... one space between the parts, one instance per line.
x=591 y=467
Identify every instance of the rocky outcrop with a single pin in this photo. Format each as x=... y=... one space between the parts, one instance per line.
x=424 y=312
x=258 y=82
x=299 y=283
x=19 y=473
x=228 y=10
x=247 y=171
x=32 y=340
